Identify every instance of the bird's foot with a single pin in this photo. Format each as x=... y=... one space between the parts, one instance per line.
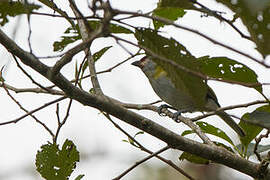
x=177 y=114
x=163 y=106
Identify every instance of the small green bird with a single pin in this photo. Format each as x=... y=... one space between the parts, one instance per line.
x=167 y=91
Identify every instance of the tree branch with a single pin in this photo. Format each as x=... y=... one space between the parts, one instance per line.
x=216 y=154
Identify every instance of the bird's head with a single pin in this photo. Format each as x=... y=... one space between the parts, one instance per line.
x=145 y=64
x=150 y=68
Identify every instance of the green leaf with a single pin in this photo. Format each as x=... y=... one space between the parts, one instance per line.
x=113 y=28
x=131 y=141
x=254 y=14
x=77 y=74
x=55 y=163
x=250 y=148
x=228 y=69
x=170 y=49
x=92 y=91
x=79 y=177
x=1 y=74
x=185 y=4
x=259 y=117
x=193 y=158
x=72 y=34
x=117 y=29
x=170 y=13
x=253 y=123
x=138 y=133
x=76 y=69
x=251 y=130
x=98 y=54
x=66 y=40
x=256 y=17
x=210 y=129
x=11 y=8
x=199 y=160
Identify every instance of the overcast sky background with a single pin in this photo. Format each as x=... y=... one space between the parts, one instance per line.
x=105 y=155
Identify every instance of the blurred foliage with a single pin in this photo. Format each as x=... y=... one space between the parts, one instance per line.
x=256 y=17
x=14 y=8
x=163 y=172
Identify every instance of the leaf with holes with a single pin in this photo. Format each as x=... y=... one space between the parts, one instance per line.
x=228 y=69
x=55 y=163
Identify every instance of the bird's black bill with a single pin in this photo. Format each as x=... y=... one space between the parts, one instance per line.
x=136 y=63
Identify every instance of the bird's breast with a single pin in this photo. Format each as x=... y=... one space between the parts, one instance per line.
x=167 y=91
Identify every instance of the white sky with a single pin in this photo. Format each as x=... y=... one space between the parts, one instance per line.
x=88 y=129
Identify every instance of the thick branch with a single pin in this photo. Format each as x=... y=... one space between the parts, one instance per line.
x=216 y=154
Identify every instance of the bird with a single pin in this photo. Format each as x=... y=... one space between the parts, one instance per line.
x=165 y=88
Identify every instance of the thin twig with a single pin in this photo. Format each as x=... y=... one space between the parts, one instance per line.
x=169 y=22
x=53 y=6
x=229 y=108
x=215 y=14
x=25 y=110
x=29 y=29
x=140 y=162
x=61 y=124
x=190 y=124
x=86 y=33
x=187 y=121
x=57 y=114
x=258 y=140
x=33 y=111
x=103 y=71
x=29 y=76
x=33 y=90
x=139 y=145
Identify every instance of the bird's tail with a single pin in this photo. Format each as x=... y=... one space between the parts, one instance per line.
x=231 y=123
